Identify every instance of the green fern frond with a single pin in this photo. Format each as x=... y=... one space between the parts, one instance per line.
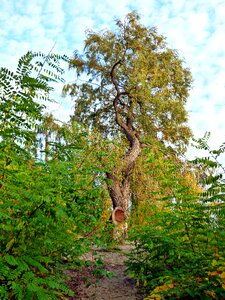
x=32 y=262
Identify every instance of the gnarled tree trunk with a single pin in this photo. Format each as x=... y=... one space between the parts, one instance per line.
x=120 y=179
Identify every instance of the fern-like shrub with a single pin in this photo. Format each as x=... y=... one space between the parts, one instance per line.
x=23 y=94
x=41 y=225
x=180 y=251
x=49 y=209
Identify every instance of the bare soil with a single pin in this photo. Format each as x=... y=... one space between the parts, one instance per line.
x=116 y=286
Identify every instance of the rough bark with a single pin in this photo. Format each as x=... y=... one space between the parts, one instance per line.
x=119 y=184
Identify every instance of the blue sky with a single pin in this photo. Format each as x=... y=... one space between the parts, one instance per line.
x=195 y=28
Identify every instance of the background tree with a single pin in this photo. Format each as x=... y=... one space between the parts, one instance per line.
x=135 y=88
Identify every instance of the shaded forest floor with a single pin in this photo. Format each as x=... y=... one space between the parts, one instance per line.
x=109 y=282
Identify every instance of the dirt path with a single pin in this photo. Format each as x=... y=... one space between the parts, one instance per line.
x=119 y=286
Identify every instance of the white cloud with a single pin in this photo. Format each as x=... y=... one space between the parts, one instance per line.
x=53 y=14
x=20 y=24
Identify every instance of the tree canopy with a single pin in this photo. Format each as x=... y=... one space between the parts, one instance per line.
x=133 y=77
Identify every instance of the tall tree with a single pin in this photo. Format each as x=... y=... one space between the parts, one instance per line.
x=134 y=88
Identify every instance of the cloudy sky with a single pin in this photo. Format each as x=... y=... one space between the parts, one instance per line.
x=195 y=28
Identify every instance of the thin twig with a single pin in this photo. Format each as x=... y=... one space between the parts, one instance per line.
x=39 y=72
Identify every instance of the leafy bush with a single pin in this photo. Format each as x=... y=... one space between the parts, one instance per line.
x=49 y=209
x=24 y=93
x=165 y=263
x=179 y=251
x=42 y=221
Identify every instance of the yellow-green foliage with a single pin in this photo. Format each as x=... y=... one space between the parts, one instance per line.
x=180 y=249
x=49 y=204
x=151 y=77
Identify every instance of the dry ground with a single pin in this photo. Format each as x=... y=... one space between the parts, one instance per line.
x=118 y=286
